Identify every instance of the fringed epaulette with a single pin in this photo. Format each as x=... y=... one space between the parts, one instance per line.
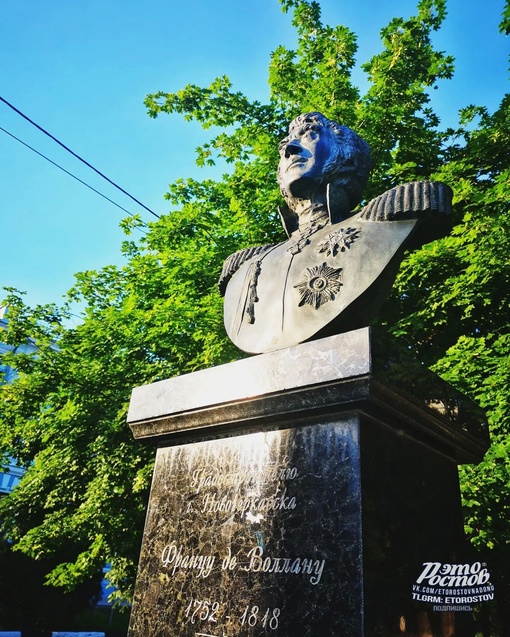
x=235 y=261
x=409 y=200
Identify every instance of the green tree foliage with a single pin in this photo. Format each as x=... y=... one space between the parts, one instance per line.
x=160 y=315
x=452 y=302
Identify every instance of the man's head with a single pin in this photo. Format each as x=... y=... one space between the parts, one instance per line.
x=317 y=152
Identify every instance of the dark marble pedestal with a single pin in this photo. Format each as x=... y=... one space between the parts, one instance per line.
x=300 y=492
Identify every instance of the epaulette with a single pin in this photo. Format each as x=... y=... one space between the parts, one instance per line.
x=407 y=201
x=236 y=260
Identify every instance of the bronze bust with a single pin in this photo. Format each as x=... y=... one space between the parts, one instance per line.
x=334 y=271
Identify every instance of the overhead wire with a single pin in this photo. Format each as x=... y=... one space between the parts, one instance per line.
x=43 y=130
x=71 y=174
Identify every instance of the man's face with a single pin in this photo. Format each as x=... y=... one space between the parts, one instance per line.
x=303 y=155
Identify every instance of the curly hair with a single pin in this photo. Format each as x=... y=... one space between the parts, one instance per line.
x=349 y=163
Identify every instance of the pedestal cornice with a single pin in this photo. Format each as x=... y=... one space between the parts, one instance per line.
x=357 y=370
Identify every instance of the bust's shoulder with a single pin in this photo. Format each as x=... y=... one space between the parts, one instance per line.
x=236 y=260
x=430 y=202
x=409 y=201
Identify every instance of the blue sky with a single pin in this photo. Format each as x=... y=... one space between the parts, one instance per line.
x=82 y=69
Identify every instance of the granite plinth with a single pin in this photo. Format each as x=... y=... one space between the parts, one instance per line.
x=300 y=492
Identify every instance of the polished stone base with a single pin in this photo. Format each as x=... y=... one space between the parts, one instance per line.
x=300 y=493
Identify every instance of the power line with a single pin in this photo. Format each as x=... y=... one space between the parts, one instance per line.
x=70 y=174
x=77 y=156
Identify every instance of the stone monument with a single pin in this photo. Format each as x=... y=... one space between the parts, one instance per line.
x=305 y=490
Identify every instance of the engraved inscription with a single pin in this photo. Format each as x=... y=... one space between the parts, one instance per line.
x=203 y=478
x=199 y=610
x=253 y=616
x=235 y=538
x=286 y=565
x=202 y=610
x=214 y=503
x=175 y=558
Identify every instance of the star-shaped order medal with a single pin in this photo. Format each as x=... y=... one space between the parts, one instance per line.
x=338 y=241
x=319 y=284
